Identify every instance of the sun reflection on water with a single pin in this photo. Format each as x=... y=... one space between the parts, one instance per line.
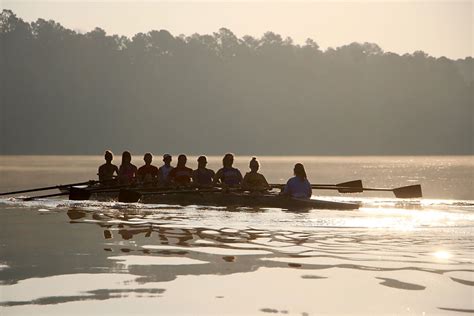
x=408 y=219
x=442 y=254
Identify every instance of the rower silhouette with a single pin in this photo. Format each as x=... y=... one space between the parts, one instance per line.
x=181 y=175
x=202 y=176
x=108 y=170
x=298 y=186
x=164 y=170
x=127 y=170
x=147 y=173
x=228 y=175
x=254 y=181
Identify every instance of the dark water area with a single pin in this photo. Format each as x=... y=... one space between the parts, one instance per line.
x=392 y=256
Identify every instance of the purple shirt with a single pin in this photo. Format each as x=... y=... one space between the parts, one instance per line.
x=297 y=188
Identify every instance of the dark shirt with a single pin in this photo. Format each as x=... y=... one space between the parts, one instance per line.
x=106 y=171
x=127 y=172
x=229 y=176
x=255 y=181
x=147 y=173
x=181 y=175
x=203 y=177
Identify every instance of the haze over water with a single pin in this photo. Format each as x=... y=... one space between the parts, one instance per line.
x=390 y=257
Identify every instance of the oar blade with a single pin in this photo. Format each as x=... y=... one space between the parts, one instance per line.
x=408 y=192
x=350 y=187
x=129 y=196
x=78 y=194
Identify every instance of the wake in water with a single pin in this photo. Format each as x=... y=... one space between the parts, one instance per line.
x=390 y=256
x=373 y=213
x=155 y=254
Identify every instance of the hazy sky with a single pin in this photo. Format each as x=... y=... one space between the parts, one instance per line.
x=440 y=28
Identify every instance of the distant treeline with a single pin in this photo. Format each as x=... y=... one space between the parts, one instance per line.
x=72 y=93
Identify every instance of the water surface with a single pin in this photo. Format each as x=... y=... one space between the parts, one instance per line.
x=390 y=257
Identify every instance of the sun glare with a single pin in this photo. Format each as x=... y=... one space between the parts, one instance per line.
x=442 y=254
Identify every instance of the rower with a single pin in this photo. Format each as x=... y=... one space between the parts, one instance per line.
x=127 y=170
x=203 y=177
x=107 y=170
x=228 y=175
x=181 y=175
x=164 y=170
x=298 y=186
x=254 y=181
x=147 y=173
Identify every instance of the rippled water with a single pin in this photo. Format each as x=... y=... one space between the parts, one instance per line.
x=390 y=257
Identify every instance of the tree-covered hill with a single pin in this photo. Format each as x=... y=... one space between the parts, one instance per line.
x=63 y=92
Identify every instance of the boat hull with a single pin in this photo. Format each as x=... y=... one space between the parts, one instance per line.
x=245 y=200
x=228 y=199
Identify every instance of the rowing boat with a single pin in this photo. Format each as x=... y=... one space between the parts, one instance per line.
x=214 y=198
x=246 y=200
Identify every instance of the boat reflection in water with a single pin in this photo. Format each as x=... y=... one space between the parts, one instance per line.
x=192 y=260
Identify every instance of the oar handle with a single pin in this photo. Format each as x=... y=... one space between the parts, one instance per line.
x=180 y=191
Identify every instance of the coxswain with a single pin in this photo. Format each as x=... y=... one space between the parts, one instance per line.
x=147 y=173
x=181 y=175
x=203 y=177
x=108 y=171
x=127 y=170
x=228 y=175
x=164 y=170
x=254 y=181
x=298 y=186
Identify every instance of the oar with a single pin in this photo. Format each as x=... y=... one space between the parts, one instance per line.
x=131 y=196
x=354 y=186
x=75 y=194
x=79 y=194
x=49 y=188
x=30 y=198
x=407 y=192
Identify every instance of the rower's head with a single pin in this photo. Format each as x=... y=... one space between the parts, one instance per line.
x=148 y=158
x=228 y=160
x=126 y=157
x=108 y=156
x=299 y=171
x=167 y=159
x=254 y=165
x=182 y=159
x=202 y=162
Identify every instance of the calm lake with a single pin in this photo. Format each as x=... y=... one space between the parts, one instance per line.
x=392 y=256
